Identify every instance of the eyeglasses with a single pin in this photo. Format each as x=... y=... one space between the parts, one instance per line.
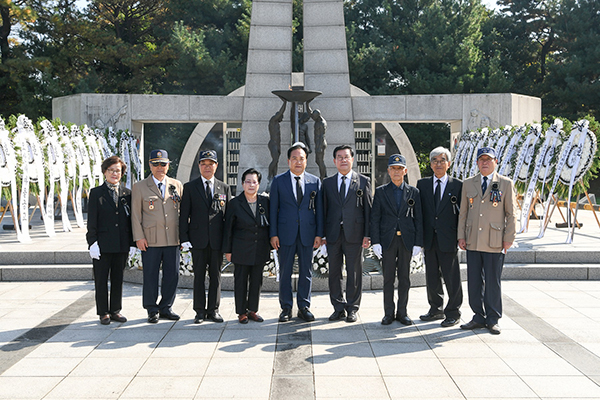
x=344 y=158
x=114 y=171
x=439 y=162
x=159 y=164
x=251 y=183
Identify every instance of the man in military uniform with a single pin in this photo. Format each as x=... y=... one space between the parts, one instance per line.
x=486 y=229
x=155 y=225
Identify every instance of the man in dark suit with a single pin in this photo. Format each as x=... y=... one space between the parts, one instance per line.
x=201 y=230
x=155 y=225
x=296 y=228
x=347 y=206
x=397 y=235
x=440 y=200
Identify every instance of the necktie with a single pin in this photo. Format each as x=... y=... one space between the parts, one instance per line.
x=298 y=190
x=484 y=185
x=436 y=193
x=160 y=185
x=208 y=192
x=343 y=188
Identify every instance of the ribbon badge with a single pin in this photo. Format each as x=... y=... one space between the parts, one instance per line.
x=222 y=198
x=454 y=202
x=263 y=216
x=411 y=206
x=151 y=205
x=311 y=204
x=359 y=198
x=495 y=194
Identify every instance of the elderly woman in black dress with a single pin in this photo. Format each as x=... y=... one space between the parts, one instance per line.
x=110 y=239
x=246 y=244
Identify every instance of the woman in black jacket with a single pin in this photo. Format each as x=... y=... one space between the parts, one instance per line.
x=110 y=239
x=246 y=244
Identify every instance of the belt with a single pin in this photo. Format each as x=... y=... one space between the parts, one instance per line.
x=398 y=233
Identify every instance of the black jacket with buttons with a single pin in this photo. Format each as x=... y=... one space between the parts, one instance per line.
x=246 y=238
x=107 y=223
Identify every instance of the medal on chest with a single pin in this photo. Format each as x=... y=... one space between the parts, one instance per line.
x=495 y=194
x=151 y=205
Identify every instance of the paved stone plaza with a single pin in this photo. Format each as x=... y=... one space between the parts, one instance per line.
x=53 y=347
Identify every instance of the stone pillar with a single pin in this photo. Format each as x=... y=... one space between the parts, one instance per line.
x=269 y=68
x=326 y=70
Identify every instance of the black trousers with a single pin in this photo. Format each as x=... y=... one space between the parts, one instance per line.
x=151 y=260
x=438 y=265
x=396 y=261
x=111 y=264
x=484 y=273
x=247 y=285
x=336 y=252
x=203 y=260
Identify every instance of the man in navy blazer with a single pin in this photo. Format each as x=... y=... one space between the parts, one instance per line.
x=296 y=228
x=397 y=235
x=347 y=200
x=440 y=200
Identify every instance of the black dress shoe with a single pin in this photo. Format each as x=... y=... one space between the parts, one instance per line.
x=215 y=317
x=118 y=317
x=387 y=320
x=337 y=315
x=286 y=315
x=351 y=316
x=431 y=316
x=105 y=319
x=472 y=325
x=450 y=322
x=169 y=315
x=305 y=314
x=199 y=318
x=494 y=329
x=253 y=315
x=153 y=318
x=405 y=320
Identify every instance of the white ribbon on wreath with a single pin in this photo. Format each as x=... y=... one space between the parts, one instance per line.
x=460 y=147
x=94 y=153
x=465 y=158
x=124 y=154
x=55 y=164
x=565 y=152
x=578 y=162
x=502 y=142
x=113 y=141
x=83 y=171
x=70 y=168
x=102 y=144
x=136 y=163
x=525 y=154
x=481 y=139
x=550 y=136
x=8 y=172
x=506 y=158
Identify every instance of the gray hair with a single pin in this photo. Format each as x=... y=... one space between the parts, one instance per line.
x=438 y=151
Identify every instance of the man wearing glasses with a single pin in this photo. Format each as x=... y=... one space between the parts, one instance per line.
x=201 y=231
x=347 y=203
x=486 y=229
x=440 y=202
x=155 y=225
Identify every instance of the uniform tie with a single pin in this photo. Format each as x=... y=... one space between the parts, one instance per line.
x=208 y=192
x=484 y=185
x=160 y=185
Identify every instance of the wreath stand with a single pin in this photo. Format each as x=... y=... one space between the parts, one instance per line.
x=8 y=207
x=537 y=199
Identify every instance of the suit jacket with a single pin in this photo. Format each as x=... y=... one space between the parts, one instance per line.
x=354 y=210
x=246 y=235
x=287 y=217
x=385 y=218
x=108 y=223
x=197 y=214
x=483 y=226
x=154 y=218
x=444 y=220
